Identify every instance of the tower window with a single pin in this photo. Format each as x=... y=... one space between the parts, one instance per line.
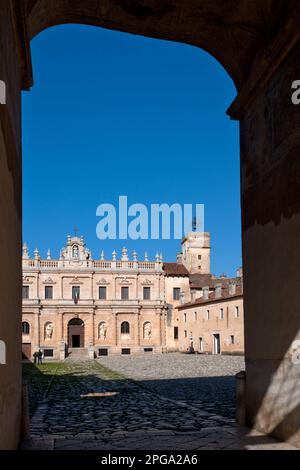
x=199 y=256
x=176 y=293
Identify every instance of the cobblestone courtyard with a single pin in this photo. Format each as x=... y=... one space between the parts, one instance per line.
x=155 y=402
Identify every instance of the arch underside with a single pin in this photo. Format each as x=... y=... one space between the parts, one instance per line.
x=235 y=32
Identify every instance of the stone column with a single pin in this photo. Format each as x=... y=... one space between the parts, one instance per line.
x=270 y=186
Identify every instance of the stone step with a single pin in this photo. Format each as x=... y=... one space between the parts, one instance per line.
x=78 y=353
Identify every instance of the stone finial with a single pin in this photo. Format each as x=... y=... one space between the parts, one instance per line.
x=134 y=256
x=157 y=257
x=36 y=254
x=49 y=254
x=69 y=239
x=114 y=255
x=146 y=256
x=161 y=258
x=25 y=251
x=124 y=254
x=102 y=255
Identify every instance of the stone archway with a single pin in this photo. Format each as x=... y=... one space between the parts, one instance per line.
x=76 y=333
x=258 y=43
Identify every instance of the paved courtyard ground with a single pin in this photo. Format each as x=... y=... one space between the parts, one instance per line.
x=151 y=403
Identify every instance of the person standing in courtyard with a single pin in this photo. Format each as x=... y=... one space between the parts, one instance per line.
x=40 y=357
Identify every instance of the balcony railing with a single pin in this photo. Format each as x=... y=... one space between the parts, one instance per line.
x=100 y=265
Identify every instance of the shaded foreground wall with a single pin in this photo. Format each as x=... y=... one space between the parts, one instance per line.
x=10 y=235
x=270 y=168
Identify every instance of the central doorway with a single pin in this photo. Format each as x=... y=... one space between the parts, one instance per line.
x=76 y=333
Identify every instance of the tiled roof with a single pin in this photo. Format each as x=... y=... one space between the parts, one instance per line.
x=197 y=281
x=175 y=269
x=211 y=298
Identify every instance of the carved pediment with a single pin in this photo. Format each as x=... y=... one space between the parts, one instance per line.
x=27 y=280
x=125 y=281
x=147 y=282
x=49 y=280
x=102 y=282
x=76 y=281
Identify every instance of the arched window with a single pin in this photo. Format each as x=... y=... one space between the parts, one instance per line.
x=102 y=330
x=125 y=328
x=25 y=328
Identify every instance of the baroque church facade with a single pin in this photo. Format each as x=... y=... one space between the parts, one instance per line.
x=79 y=306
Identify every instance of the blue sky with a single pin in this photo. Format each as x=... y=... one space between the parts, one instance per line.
x=116 y=114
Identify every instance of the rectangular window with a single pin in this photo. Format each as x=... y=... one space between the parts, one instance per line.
x=236 y=312
x=102 y=293
x=75 y=292
x=185 y=333
x=148 y=350
x=48 y=352
x=195 y=316
x=175 y=332
x=48 y=292
x=207 y=315
x=102 y=352
x=232 y=339
x=125 y=351
x=176 y=293
x=184 y=317
x=221 y=314
x=125 y=293
x=146 y=293
x=25 y=292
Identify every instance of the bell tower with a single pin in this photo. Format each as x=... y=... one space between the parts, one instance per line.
x=196 y=252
